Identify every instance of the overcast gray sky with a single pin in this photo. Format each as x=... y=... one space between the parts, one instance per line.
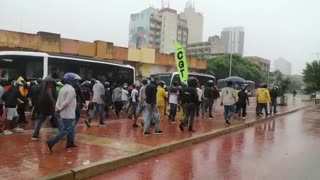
x=273 y=28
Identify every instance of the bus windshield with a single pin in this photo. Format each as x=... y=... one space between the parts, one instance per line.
x=13 y=66
x=166 y=78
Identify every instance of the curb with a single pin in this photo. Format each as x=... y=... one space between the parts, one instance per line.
x=105 y=166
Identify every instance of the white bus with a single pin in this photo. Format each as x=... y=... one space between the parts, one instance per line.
x=169 y=78
x=34 y=65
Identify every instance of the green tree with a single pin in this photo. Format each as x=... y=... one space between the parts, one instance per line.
x=311 y=75
x=219 y=67
x=296 y=82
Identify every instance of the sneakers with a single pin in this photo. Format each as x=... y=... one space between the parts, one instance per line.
x=173 y=122
x=181 y=127
x=147 y=133
x=210 y=117
x=18 y=130
x=228 y=122
x=158 y=132
x=7 y=132
x=102 y=124
x=35 y=138
x=88 y=123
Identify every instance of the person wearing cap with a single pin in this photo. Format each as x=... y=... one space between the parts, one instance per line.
x=65 y=108
x=21 y=108
x=47 y=100
x=229 y=97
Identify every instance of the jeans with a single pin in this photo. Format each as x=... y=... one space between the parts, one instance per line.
x=41 y=120
x=189 y=115
x=207 y=104
x=118 y=107
x=151 y=113
x=97 y=108
x=133 y=112
x=199 y=107
x=67 y=129
x=273 y=105
x=173 y=111
x=228 y=111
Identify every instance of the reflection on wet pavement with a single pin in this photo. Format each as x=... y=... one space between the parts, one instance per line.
x=281 y=149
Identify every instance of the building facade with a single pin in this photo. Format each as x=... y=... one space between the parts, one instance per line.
x=207 y=50
x=283 y=66
x=195 y=23
x=159 y=28
x=264 y=64
x=233 y=39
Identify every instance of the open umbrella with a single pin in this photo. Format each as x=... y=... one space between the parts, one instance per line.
x=235 y=80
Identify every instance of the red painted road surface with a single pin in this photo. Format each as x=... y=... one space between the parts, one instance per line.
x=21 y=158
x=286 y=148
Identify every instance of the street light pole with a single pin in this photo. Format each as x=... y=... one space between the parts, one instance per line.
x=231 y=51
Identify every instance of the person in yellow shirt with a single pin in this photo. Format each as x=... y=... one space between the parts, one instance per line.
x=161 y=99
x=263 y=99
x=21 y=107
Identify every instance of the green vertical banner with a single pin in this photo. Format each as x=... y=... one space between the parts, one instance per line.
x=181 y=62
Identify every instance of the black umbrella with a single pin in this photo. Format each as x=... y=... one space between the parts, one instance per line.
x=235 y=80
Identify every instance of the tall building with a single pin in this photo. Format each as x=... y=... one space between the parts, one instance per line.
x=208 y=49
x=195 y=22
x=159 y=28
x=283 y=66
x=264 y=64
x=233 y=39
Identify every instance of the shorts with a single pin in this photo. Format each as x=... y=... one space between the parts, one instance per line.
x=12 y=113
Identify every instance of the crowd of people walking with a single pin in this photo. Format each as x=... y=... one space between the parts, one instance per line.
x=63 y=100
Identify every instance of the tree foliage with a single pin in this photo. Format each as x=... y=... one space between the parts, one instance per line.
x=241 y=67
x=311 y=75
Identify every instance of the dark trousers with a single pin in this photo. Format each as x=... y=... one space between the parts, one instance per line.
x=189 y=115
x=173 y=111
x=242 y=109
x=21 y=112
x=273 y=106
x=118 y=107
x=134 y=106
x=207 y=104
x=263 y=106
x=199 y=106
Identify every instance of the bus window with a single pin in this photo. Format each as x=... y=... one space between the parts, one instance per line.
x=13 y=66
x=166 y=78
x=88 y=70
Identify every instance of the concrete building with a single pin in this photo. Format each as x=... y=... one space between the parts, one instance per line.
x=195 y=23
x=157 y=29
x=233 y=39
x=283 y=66
x=207 y=50
x=264 y=64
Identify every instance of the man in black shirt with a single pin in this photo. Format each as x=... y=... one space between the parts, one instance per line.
x=208 y=95
x=151 y=109
x=274 y=96
x=190 y=98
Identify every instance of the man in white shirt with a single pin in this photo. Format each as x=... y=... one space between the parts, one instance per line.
x=173 y=101
x=229 y=97
x=142 y=99
x=200 y=96
x=98 y=100
x=65 y=108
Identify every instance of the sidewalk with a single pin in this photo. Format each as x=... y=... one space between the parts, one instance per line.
x=100 y=147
